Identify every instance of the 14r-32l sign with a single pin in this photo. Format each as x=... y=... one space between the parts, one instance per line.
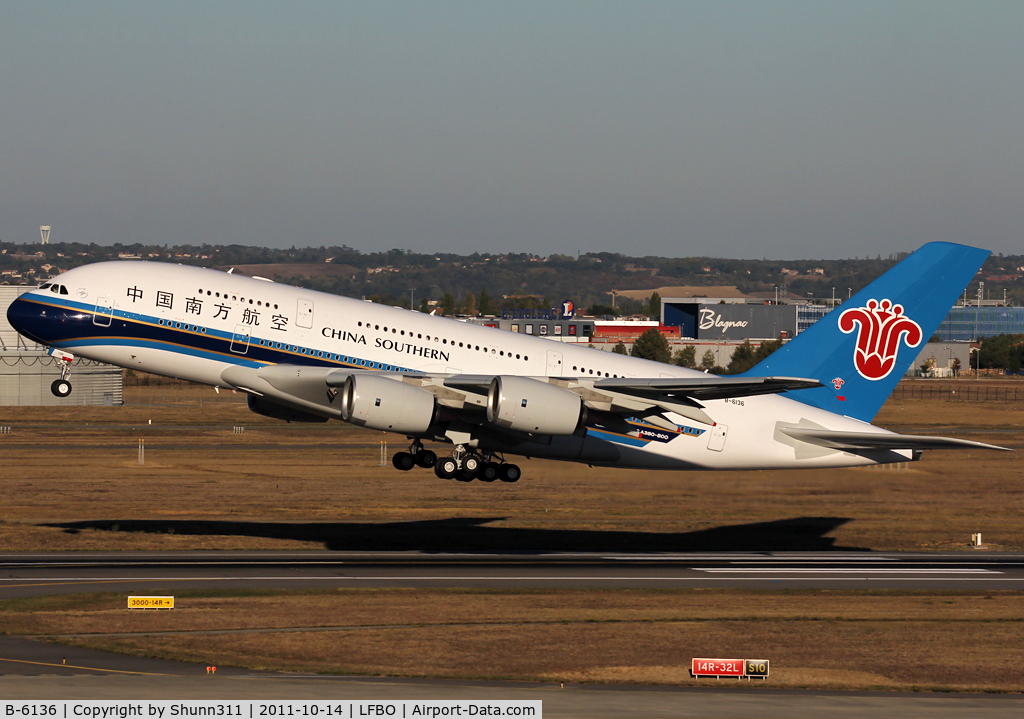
x=738 y=668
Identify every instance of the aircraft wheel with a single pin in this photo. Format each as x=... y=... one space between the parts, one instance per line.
x=403 y=461
x=465 y=475
x=509 y=473
x=61 y=387
x=489 y=472
x=426 y=459
x=446 y=468
x=471 y=464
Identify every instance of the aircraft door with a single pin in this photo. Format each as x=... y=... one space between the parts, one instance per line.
x=104 y=312
x=717 y=441
x=555 y=364
x=304 y=314
x=240 y=339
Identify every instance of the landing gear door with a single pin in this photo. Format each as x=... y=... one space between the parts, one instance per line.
x=717 y=441
x=104 y=312
x=304 y=314
x=240 y=339
x=555 y=364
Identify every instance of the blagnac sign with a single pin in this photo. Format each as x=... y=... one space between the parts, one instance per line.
x=735 y=321
x=709 y=319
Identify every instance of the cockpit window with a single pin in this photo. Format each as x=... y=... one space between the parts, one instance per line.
x=55 y=289
x=44 y=286
x=63 y=290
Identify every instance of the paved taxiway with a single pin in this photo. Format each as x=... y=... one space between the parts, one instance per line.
x=25 y=575
x=35 y=670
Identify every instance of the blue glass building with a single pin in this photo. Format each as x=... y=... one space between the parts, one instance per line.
x=967 y=323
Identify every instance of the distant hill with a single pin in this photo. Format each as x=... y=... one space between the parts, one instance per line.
x=282 y=270
x=510 y=280
x=685 y=291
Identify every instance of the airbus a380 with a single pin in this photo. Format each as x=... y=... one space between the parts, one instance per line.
x=307 y=356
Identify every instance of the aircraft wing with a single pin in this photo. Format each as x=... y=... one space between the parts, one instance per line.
x=610 y=401
x=878 y=440
x=706 y=388
x=648 y=398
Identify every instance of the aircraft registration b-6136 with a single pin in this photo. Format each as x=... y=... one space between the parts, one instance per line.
x=307 y=356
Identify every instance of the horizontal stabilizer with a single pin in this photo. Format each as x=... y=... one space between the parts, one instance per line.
x=880 y=440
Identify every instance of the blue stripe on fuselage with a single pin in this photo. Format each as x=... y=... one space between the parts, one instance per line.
x=75 y=327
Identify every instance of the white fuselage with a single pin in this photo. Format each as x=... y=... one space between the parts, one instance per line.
x=192 y=323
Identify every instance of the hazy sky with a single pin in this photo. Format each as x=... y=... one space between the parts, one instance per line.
x=733 y=129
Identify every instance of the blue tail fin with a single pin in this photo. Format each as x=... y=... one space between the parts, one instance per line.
x=860 y=350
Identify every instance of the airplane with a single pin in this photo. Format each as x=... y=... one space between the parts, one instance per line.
x=305 y=356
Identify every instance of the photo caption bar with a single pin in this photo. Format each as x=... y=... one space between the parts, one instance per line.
x=167 y=709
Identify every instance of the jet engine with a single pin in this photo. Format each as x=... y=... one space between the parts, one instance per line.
x=386 y=404
x=261 y=405
x=527 y=405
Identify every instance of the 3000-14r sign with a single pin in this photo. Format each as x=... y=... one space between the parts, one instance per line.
x=151 y=602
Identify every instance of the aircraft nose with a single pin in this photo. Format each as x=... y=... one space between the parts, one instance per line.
x=28 y=318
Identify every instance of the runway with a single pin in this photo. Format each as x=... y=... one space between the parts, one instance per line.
x=31 y=669
x=28 y=575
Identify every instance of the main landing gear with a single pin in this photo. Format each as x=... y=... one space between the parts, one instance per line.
x=62 y=387
x=415 y=457
x=463 y=465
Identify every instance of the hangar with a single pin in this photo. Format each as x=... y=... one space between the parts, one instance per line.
x=738 y=319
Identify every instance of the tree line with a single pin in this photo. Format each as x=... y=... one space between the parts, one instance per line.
x=652 y=345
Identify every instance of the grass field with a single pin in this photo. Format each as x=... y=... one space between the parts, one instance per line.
x=71 y=481
x=825 y=639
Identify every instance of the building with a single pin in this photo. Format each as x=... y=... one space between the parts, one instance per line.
x=943 y=358
x=972 y=322
x=738 y=319
x=542 y=323
x=26 y=371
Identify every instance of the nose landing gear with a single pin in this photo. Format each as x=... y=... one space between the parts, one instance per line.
x=62 y=387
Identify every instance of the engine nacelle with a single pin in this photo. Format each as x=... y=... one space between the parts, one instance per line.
x=527 y=405
x=386 y=404
x=261 y=405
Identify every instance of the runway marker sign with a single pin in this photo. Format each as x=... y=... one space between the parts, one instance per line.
x=151 y=602
x=738 y=668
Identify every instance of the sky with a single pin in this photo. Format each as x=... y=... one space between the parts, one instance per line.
x=724 y=129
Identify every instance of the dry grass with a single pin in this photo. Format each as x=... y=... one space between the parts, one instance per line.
x=315 y=485
x=824 y=639
x=71 y=482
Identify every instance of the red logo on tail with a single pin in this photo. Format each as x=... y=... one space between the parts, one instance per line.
x=882 y=325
